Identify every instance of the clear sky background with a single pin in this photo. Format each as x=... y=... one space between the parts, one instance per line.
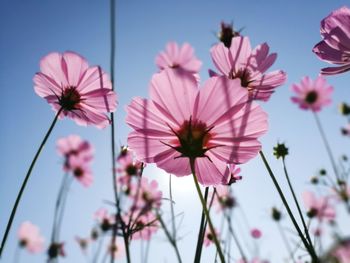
x=31 y=29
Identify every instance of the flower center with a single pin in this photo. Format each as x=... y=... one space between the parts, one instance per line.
x=193 y=138
x=311 y=97
x=78 y=172
x=131 y=170
x=69 y=99
x=243 y=75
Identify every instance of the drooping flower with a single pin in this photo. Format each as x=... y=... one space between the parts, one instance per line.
x=320 y=207
x=249 y=66
x=213 y=125
x=312 y=95
x=176 y=57
x=30 y=238
x=335 y=46
x=73 y=145
x=83 y=93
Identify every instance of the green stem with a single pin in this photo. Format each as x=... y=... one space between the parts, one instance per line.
x=205 y=209
x=18 y=199
x=171 y=240
x=201 y=231
x=285 y=203
x=306 y=230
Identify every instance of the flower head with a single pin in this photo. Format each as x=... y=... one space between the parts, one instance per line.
x=128 y=166
x=226 y=33
x=30 y=238
x=335 y=46
x=117 y=249
x=144 y=227
x=224 y=198
x=255 y=233
x=312 y=95
x=104 y=219
x=318 y=207
x=234 y=174
x=82 y=93
x=214 y=126
x=249 y=66
x=209 y=237
x=280 y=150
x=178 y=57
x=81 y=170
x=74 y=146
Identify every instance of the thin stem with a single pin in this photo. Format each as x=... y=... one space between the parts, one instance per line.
x=230 y=228
x=328 y=148
x=205 y=209
x=57 y=206
x=306 y=230
x=201 y=231
x=171 y=240
x=18 y=199
x=300 y=233
x=17 y=254
x=172 y=208
x=285 y=241
x=98 y=250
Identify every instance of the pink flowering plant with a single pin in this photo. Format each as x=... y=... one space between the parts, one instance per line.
x=207 y=128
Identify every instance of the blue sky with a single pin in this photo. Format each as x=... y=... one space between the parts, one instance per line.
x=31 y=29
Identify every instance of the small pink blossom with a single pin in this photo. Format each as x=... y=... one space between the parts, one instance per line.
x=145 y=226
x=83 y=93
x=81 y=170
x=117 y=250
x=128 y=166
x=73 y=145
x=104 y=218
x=335 y=46
x=213 y=125
x=312 y=95
x=234 y=174
x=30 y=238
x=342 y=252
x=224 y=198
x=320 y=207
x=346 y=130
x=176 y=57
x=208 y=237
x=83 y=243
x=255 y=233
x=249 y=66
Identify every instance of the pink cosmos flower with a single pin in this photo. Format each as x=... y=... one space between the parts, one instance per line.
x=213 y=125
x=29 y=237
x=83 y=93
x=81 y=170
x=342 y=252
x=208 y=237
x=73 y=145
x=104 y=219
x=249 y=66
x=224 y=198
x=234 y=174
x=318 y=207
x=255 y=233
x=312 y=95
x=128 y=166
x=148 y=195
x=335 y=46
x=176 y=57
x=145 y=226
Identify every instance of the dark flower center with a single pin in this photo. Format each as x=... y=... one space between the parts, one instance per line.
x=131 y=170
x=227 y=33
x=311 y=97
x=69 y=99
x=243 y=75
x=193 y=138
x=210 y=236
x=227 y=202
x=78 y=172
x=312 y=212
